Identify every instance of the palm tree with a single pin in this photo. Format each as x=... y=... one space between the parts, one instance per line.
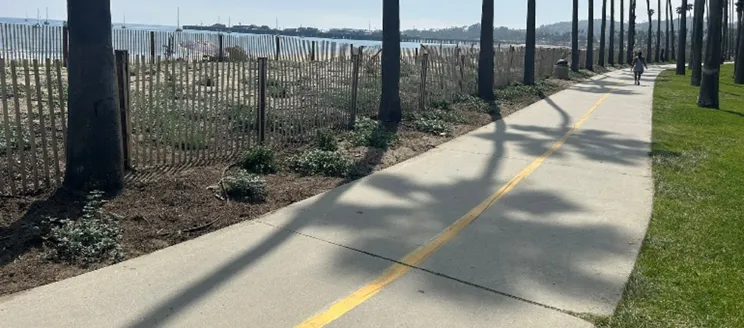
x=590 y=38
x=94 y=157
x=611 y=54
x=621 y=39
x=575 y=37
x=682 y=39
x=650 y=13
x=602 y=35
x=666 y=35
x=631 y=30
x=739 y=70
x=708 y=97
x=724 y=49
x=529 y=51
x=390 y=111
x=673 y=52
x=697 y=42
x=658 y=33
x=485 y=60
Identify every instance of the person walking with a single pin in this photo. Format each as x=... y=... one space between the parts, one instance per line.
x=639 y=63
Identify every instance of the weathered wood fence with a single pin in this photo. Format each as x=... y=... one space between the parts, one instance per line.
x=196 y=110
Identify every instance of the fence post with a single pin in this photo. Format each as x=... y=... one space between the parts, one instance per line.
x=220 y=52
x=262 y=76
x=65 y=45
x=152 y=46
x=122 y=88
x=355 y=59
x=424 y=69
x=461 y=82
x=312 y=50
x=278 y=49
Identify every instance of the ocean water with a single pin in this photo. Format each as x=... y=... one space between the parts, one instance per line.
x=19 y=39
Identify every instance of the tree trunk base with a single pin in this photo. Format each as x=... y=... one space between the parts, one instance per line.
x=708 y=97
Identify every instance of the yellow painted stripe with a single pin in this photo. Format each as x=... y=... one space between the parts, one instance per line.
x=420 y=254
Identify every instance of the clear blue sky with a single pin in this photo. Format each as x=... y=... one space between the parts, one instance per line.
x=321 y=13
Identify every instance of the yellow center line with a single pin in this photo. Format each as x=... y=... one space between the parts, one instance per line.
x=420 y=254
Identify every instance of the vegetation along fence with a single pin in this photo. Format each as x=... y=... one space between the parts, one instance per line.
x=191 y=110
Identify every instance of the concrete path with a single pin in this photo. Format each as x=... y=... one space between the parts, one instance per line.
x=516 y=224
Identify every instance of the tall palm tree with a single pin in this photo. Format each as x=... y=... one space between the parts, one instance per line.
x=611 y=59
x=682 y=39
x=725 y=46
x=602 y=35
x=631 y=30
x=390 y=110
x=658 y=32
x=621 y=39
x=590 y=38
x=739 y=70
x=94 y=157
x=529 y=51
x=671 y=14
x=650 y=13
x=697 y=42
x=708 y=97
x=575 y=37
x=485 y=60
x=666 y=34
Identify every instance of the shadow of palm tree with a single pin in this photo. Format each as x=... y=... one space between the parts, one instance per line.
x=389 y=229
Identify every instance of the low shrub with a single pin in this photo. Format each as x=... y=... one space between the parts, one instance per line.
x=433 y=126
x=260 y=160
x=370 y=133
x=326 y=140
x=94 y=237
x=15 y=141
x=322 y=162
x=245 y=187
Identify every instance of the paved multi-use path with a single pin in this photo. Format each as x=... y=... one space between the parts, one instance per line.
x=516 y=224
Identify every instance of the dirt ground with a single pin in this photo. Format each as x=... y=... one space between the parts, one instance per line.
x=182 y=204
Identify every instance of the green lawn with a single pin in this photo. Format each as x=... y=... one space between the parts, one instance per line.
x=690 y=272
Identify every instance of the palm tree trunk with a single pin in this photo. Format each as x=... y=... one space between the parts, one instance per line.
x=673 y=35
x=390 y=110
x=485 y=60
x=575 y=37
x=611 y=54
x=683 y=40
x=658 y=32
x=621 y=39
x=666 y=35
x=708 y=97
x=649 y=38
x=590 y=38
x=697 y=42
x=529 y=51
x=631 y=31
x=739 y=70
x=602 y=35
x=95 y=159
x=725 y=46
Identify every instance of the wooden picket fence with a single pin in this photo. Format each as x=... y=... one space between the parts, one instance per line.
x=195 y=110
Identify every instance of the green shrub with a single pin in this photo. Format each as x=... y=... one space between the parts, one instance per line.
x=275 y=89
x=322 y=162
x=370 y=133
x=245 y=187
x=326 y=140
x=472 y=103
x=442 y=115
x=15 y=142
x=433 y=126
x=92 y=238
x=260 y=160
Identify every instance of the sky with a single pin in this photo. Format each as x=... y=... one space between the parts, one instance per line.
x=323 y=13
